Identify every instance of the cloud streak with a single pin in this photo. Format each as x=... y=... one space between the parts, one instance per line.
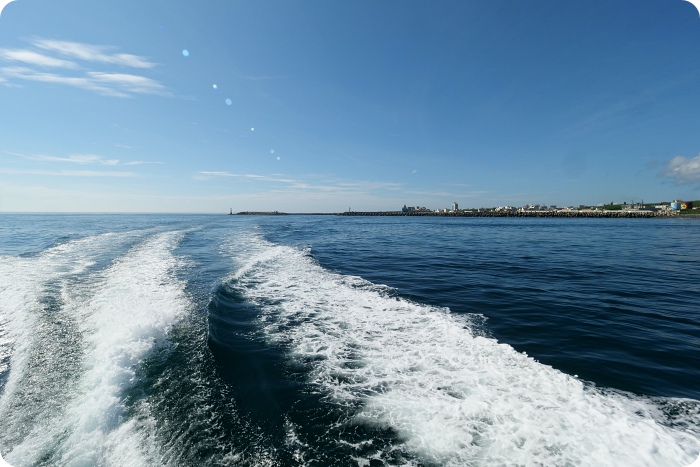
x=331 y=187
x=81 y=159
x=76 y=159
x=39 y=65
x=68 y=173
x=34 y=58
x=261 y=178
x=93 y=53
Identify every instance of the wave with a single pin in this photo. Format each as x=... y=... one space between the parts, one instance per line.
x=449 y=395
x=77 y=334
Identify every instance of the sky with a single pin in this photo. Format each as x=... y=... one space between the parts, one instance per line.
x=325 y=106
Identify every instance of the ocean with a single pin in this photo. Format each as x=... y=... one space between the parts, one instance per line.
x=214 y=340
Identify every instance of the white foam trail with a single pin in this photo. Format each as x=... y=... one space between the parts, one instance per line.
x=123 y=314
x=22 y=283
x=453 y=397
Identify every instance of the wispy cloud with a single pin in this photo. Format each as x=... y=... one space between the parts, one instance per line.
x=80 y=159
x=261 y=178
x=369 y=185
x=76 y=159
x=141 y=162
x=34 y=58
x=68 y=173
x=109 y=84
x=128 y=83
x=34 y=65
x=93 y=53
x=312 y=185
x=683 y=169
x=323 y=189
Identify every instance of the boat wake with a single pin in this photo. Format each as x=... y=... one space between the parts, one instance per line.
x=76 y=337
x=449 y=395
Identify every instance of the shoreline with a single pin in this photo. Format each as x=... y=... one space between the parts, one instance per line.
x=564 y=214
x=535 y=214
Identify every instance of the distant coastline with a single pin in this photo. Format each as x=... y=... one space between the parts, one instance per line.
x=676 y=209
x=541 y=214
x=490 y=213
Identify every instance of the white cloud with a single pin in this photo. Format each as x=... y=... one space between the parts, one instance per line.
x=683 y=169
x=368 y=185
x=105 y=82
x=81 y=159
x=128 y=83
x=27 y=74
x=218 y=174
x=68 y=173
x=77 y=159
x=109 y=84
x=93 y=53
x=33 y=58
x=330 y=187
x=262 y=178
x=141 y=163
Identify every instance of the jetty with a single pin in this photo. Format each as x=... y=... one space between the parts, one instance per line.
x=262 y=213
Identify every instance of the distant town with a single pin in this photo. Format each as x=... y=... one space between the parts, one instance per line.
x=663 y=209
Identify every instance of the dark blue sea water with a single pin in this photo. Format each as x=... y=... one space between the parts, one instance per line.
x=322 y=340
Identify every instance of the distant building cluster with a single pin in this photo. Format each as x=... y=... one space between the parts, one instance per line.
x=415 y=209
x=675 y=205
x=406 y=209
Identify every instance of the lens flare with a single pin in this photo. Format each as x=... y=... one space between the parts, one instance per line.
x=185 y=52
x=215 y=86
x=272 y=151
x=252 y=129
x=229 y=102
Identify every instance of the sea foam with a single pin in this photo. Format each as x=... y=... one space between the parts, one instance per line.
x=452 y=396
x=120 y=313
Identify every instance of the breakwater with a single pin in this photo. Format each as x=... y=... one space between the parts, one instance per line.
x=276 y=213
x=261 y=213
x=594 y=214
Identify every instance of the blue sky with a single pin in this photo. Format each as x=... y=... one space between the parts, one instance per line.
x=321 y=106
